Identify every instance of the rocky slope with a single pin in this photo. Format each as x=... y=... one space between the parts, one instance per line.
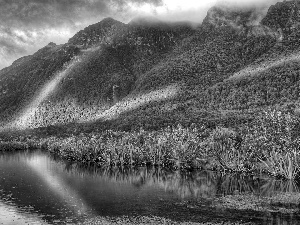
x=231 y=63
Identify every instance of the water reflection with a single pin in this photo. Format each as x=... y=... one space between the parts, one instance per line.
x=273 y=186
x=197 y=185
x=51 y=177
x=32 y=184
x=34 y=187
x=189 y=185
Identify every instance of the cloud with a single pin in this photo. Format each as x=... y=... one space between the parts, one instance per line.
x=17 y=42
x=176 y=10
x=248 y=3
x=196 y=10
x=45 y=13
x=28 y=25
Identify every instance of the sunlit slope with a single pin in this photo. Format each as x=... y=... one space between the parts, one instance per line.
x=110 y=72
x=132 y=103
x=271 y=80
x=122 y=62
x=207 y=58
x=197 y=62
x=102 y=56
x=23 y=81
x=19 y=82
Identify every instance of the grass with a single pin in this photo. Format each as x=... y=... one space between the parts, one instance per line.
x=149 y=220
x=273 y=140
x=171 y=147
x=282 y=164
x=270 y=144
x=19 y=144
x=224 y=148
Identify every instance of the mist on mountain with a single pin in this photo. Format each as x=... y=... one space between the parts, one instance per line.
x=112 y=64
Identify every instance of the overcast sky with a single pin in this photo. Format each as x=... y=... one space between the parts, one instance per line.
x=28 y=25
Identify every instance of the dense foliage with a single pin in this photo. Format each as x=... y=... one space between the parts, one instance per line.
x=270 y=143
x=227 y=63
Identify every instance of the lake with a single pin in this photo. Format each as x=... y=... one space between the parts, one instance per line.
x=36 y=188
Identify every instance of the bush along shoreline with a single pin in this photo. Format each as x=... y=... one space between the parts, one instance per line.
x=270 y=144
x=175 y=147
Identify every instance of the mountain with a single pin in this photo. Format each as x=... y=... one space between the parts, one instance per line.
x=272 y=78
x=151 y=73
x=84 y=71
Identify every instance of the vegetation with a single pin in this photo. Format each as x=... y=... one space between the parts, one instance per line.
x=233 y=88
x=171 y=147
x=273 y=139
x=149 y=220
x=269 y=144
x=140 y=57
x=227 y=72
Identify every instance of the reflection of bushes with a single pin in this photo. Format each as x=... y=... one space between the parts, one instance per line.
x=265 y=194
x=200 y=184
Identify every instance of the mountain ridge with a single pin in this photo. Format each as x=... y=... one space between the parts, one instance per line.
x=110 y=61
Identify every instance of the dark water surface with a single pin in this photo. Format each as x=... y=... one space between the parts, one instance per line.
x=36 y=189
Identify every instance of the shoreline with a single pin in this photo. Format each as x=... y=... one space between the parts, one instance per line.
x=270 y=144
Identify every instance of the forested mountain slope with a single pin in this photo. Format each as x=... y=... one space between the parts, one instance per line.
x=273 y=77
x=232 y=61
x=97 y=58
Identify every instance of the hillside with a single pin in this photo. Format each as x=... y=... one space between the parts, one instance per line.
x=151 y=73
x=93 y=61
x=272 y=78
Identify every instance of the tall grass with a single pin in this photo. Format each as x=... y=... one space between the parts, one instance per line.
x=171 y=147
x=223 y=143
x=274 y=142
x=285 y=165
x=270 y=144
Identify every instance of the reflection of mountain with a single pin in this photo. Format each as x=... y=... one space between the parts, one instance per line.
x=51 y=190
x=34 y=189
x=40 y=165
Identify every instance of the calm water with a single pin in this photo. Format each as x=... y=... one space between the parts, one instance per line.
x=36 y=189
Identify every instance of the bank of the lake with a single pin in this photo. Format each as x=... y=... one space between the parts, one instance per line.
x=270 y=144
x=152 y=220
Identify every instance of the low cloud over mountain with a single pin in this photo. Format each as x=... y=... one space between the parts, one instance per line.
x=26 y=26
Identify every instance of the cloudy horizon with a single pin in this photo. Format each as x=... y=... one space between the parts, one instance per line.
x=28 y=26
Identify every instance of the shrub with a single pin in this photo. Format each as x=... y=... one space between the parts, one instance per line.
x=272 y=140
x=225 y=148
